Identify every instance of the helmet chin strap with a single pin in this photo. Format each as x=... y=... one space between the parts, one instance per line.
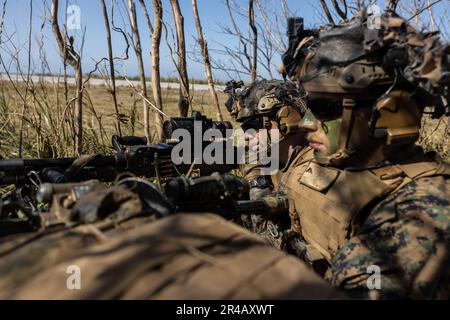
x=375 y=113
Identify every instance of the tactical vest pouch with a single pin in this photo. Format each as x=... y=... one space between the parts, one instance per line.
x=319 y=178
x=327 y=200
x=329 y=203
x=421 y=169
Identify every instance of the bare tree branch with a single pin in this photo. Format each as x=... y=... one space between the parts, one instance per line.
x=138 y=51
x=206 y=60
x=184 y=102
x=327 y=11
x=147 y=17
x=285 y=9
x=69 y=54
x=119 y=30
x=423 y=9
x=156 y=78
x=239 y=34
x=342 y=14
x=268 y=29
x=251 y=21
x=111 y=66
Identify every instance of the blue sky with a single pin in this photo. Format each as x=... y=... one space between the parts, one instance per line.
x=213 y=13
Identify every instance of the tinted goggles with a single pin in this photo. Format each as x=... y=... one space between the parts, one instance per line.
x=326 y=110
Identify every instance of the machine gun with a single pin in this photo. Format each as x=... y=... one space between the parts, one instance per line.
x=133 y=158
x=89 y=201
x=141 y=160
x=223 y=193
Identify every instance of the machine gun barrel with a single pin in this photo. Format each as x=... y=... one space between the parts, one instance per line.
x=13 y=171
x=148 y=161
x=103 y=167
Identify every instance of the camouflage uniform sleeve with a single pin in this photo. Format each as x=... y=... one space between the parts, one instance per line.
x=405 y=239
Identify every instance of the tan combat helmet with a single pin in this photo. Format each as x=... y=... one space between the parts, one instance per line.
x=391 y=67
x=268 y=104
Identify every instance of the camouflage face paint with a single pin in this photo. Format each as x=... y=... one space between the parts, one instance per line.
x=322 y=136
x=332 y=129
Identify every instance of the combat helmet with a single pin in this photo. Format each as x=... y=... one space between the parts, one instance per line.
x=266 y=104
x=388 y=67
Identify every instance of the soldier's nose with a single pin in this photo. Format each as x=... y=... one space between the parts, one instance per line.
x=309 y=122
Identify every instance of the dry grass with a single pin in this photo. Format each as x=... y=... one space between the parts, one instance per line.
x=47 y=125
x=47 y=132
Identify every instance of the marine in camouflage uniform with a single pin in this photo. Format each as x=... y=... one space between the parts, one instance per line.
x=266 y=105
x=363 y=198
x=407 y=236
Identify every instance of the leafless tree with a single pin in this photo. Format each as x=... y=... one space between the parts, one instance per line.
x=138 y=50
x=242 y=40
x=69 y=54
x=111 y=66
x=184 y=102
x=238 y=61
x=268 y=28
x=205 y=54
x=415 y=10
x=155 y=31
